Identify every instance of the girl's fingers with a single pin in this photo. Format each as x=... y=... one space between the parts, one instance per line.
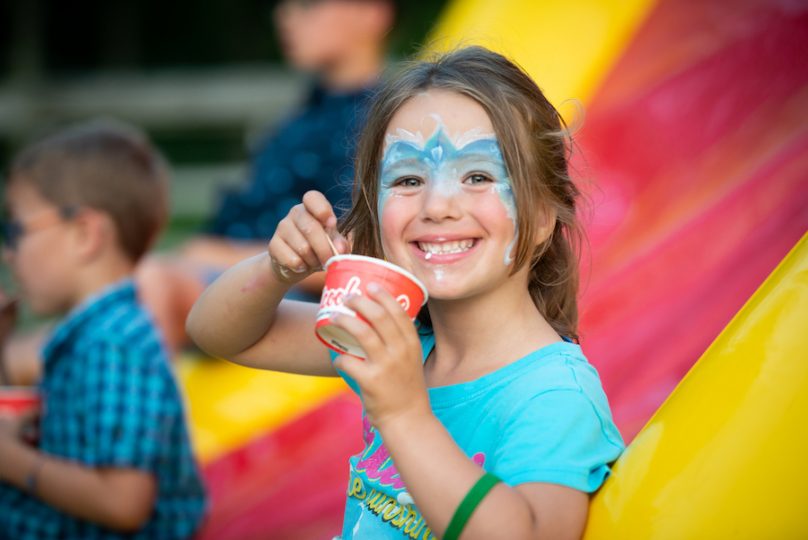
x=394 y=310
x=406 y=334
x=290 y=233
x=366 y=336
x=378 y=317
x=351 y=366
x=314 y=233
x=321 y=210
x=285 y=261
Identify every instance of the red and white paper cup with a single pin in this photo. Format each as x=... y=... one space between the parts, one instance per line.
x=350 y=274
x=19 y=400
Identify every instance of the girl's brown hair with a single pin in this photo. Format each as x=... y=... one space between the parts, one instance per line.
x=535 y=145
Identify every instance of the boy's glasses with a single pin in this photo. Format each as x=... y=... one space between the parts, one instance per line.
x=12 y=230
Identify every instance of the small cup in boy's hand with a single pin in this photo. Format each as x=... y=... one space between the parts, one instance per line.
x=347 y=275
x=20 y=408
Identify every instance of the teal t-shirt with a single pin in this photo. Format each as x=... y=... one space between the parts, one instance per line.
x=542 y=418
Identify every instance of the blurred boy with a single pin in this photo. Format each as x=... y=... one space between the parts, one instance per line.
x=114 y=458
x=342 y=43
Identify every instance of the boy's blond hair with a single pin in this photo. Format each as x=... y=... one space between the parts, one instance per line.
x=105 y=165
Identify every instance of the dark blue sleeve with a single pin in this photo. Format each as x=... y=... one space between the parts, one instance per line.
x=313 y=151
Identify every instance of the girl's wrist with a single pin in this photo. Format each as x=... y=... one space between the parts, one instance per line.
x=406 y=423
x=279 y=275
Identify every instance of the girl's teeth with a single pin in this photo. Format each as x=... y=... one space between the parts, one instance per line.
x=457 y=246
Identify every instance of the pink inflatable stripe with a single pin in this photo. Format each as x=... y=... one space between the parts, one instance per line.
x=701 y=188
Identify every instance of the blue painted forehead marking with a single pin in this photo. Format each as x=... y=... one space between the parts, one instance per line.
x=440 y=149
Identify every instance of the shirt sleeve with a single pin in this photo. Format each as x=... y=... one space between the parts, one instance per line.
x=128 y=409
x=558 y=437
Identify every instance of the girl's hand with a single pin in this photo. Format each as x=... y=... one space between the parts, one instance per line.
x=392 y=376
x=300 y=244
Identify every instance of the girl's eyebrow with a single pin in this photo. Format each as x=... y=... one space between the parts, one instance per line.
x=405 y=162
x=478 y=156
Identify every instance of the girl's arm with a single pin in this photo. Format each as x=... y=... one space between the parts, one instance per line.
x=241 y=316
x=396 y=402
x=439 y=483
x=121 y=499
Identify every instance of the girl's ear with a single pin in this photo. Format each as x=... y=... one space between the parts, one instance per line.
x=545 y=224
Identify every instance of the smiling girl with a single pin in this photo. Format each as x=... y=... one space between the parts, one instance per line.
x=484 y=418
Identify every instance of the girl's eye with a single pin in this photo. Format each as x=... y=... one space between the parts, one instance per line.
x=408 y=181
x=477 y=179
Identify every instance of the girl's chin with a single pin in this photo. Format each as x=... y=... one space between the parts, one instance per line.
x=442 y=288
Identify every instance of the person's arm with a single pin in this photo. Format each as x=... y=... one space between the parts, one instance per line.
x=241 y=317
x=396 y=402
x=220 y=252
x=439 y=484
x=121 y=499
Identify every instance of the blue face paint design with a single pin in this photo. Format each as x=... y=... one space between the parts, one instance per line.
x=439 y=165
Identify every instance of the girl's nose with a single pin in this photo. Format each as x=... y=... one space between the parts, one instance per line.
x=442 y=202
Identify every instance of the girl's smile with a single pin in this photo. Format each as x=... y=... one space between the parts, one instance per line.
x=445 y=199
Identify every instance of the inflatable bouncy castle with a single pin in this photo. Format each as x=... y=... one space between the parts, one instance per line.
x=691 y=129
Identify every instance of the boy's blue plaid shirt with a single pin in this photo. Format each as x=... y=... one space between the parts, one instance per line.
x=111 y=401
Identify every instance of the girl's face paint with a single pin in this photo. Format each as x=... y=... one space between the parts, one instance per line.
x=445 y=199
x=442 y=165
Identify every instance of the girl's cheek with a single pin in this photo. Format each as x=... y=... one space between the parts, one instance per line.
x=498 y=212
x=495 y=206
x=394 y=215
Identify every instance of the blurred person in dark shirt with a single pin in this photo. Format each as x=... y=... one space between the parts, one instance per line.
x=342 y=44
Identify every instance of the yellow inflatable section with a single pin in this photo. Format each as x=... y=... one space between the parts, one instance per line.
x=725 y=455
x=229 y=405
x=567 y=46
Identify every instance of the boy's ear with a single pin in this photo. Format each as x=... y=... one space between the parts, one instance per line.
x=94 y=233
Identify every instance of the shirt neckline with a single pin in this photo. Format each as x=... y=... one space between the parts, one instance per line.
x=448 y=395
x=83 y=313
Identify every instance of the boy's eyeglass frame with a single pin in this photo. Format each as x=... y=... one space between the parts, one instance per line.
x=12 y=230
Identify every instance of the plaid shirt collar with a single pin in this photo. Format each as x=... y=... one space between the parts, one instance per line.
x=88 y=311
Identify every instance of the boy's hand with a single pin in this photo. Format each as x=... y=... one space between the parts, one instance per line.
x=8 y=316
x=392 y=376
x=13 y=426
x=300 y=244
